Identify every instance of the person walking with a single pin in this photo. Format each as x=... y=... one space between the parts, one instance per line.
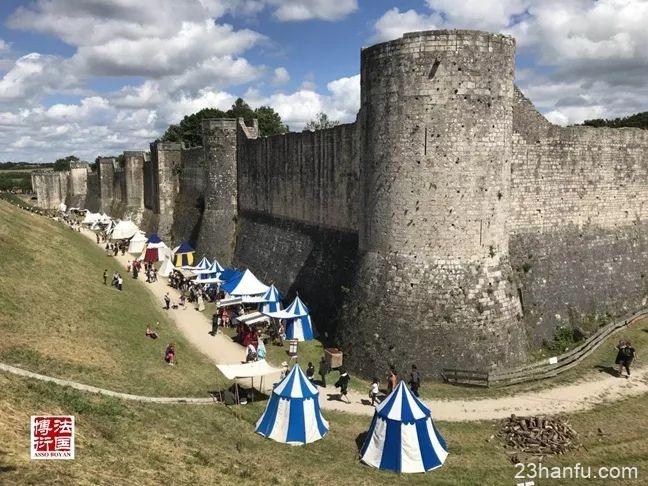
x=392 y=379
x=323 y=371
x=310 y=372
x=628 y=354
x=373 y=392
x=214 y=329
x=415 y=381
x=120 y=282
x=167 y=301
x=343 y=384
x=105 y=276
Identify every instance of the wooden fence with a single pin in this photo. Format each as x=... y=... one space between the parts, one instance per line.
x=541 y=369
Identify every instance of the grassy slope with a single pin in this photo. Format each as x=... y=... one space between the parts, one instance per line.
x=59 y=319
x=128 y=443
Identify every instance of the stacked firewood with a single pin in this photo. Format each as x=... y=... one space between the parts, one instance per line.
x=539 y=436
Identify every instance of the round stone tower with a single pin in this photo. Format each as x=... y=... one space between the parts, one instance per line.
x=434 y=285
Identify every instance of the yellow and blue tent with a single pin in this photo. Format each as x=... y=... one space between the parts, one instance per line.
x=183 y=255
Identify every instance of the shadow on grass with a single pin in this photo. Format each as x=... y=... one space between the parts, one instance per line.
x=360 y=440
x=610 y=370
x=334 y=396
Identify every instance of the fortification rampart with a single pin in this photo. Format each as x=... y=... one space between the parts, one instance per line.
x=190 y=199
x=310 y=177
x=217 y=236
x=50 y=187
x=451 y=225
x=578 y=221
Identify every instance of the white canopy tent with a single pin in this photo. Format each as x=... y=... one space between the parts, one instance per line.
x=124 y=230
x=166 y=268
x=252 y=370
x=91 y=218
x=229 y=302
x=137 y=243
x=252 y=318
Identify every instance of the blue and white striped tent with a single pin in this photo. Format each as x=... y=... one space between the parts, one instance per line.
x=402 y=436
x=271 y=301
x=210 y=275
x=293 y=414
x=202 y=265
x=297 y=315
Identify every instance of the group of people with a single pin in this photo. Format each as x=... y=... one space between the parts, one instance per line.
x=374 y=390
x=117 y=280
x=116 y=247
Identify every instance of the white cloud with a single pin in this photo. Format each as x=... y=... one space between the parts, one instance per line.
x=35 y=75
x=298 y=108
x=156 y=57
x=395 y=23
x=594 y=47
x=280 y=76
x=292 y=10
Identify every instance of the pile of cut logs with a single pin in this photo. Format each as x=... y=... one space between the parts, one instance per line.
x=539 y=436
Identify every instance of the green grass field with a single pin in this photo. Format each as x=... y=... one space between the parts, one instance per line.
x=59 y=319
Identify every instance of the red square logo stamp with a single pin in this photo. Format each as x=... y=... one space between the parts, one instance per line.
x=52 y=437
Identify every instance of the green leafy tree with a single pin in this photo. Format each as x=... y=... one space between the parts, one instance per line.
x=638 y=120
x=270 y=122
x=320 y=122
x=64 y=163
x=189 y=130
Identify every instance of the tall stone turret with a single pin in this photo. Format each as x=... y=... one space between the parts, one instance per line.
x=134 y=184
x=217 y=235
x=106 y=170
x=165 y=164
x=77 y=190
x=434 y=283
x=50 y=187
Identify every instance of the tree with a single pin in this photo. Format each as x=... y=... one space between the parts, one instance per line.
x=320 y=122
x=64 y=163
x=638 y=120
x=189 y=130
x=269 y=121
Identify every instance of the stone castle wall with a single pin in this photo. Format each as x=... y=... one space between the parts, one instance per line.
x=578 y=221
x=451 y=225
x=311 y=177
x=190 y=199
x=433 y=277
x=50 y=187
x=165 y=166
x=217 y=235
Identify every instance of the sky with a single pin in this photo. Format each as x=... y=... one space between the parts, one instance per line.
x=97 y=77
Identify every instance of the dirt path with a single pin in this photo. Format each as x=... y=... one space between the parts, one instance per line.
x=582 y=395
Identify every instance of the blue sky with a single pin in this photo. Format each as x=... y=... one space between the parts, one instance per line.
x=94 y=77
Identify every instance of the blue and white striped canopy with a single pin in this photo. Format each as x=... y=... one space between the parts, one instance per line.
x=300 y=328
x=202 y=265
x=402 y=436
x=247 y=284
x=293 y=414
x=271 y=301
x=212 y=268
x=294 y=310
